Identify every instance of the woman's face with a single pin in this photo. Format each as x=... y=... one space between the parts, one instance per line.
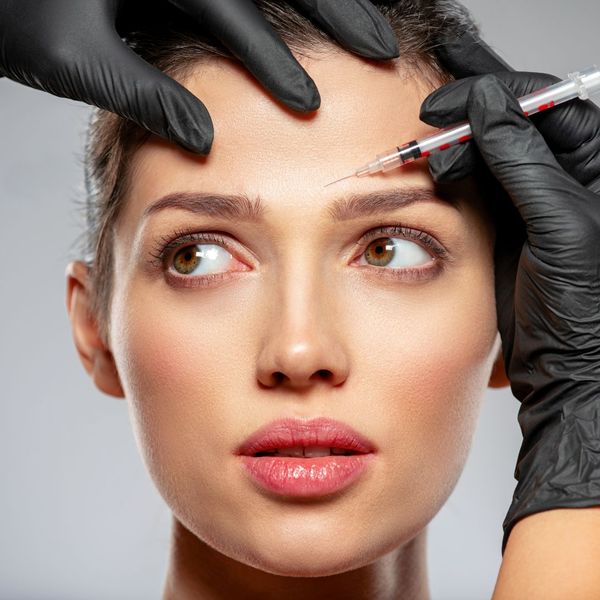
x=408 y=337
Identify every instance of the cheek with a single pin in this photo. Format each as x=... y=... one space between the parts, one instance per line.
x=179 y=357
x=185 y=361
x=428 y=356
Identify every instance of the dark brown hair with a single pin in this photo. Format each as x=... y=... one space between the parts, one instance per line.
x=170 y=42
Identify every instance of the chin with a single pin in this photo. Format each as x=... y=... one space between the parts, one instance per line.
x=329 y=557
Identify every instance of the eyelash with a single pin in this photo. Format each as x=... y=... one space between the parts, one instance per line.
x=178 y=239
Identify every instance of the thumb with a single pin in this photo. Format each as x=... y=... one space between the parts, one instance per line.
x=118 y=80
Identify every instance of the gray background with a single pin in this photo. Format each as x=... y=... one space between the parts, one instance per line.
x=79 y=516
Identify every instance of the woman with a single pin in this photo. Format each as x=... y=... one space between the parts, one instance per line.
x=225 y=293
x=297 y=315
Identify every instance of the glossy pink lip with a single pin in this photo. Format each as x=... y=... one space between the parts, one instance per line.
x=289 y=432
x=305 y=476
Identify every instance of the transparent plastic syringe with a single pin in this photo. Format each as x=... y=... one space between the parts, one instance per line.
x=580 y=84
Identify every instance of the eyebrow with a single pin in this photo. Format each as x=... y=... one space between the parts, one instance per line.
x=240 y=207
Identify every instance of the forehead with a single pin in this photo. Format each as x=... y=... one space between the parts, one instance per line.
x=262 y=148
x=264 y=151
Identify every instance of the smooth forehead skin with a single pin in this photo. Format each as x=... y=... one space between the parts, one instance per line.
x=410 y=361
x=263 y=149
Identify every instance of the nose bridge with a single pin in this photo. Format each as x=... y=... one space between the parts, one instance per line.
x=300 y=293
x=302 y=306
x=302 y=339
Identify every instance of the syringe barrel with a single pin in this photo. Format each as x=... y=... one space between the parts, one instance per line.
x=450 y=136
x=581 y=84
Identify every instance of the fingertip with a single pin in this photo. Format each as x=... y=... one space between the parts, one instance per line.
x=389 y=49
x=304 y=97
x=197 y=141
x=378 y=41
x=357 y=25
x=452 y=164
x=428 y=114
x=467 y=54
x=424 y=112
x=185 y=119
x=378 y=51
x=490 y=94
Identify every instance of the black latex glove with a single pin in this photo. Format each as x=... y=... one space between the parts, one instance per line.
x=72 y=49
x=547 y=285
x=571 y=130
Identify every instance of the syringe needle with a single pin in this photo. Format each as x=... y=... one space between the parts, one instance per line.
x=342 y=179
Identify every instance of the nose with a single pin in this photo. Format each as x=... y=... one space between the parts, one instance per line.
x=301 y=364
x=303 y=344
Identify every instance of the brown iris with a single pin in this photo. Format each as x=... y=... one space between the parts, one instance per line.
x=186 y=260
x=381 y=251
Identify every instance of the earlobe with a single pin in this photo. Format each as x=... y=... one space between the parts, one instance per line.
x=498 y=376
x=96 y=358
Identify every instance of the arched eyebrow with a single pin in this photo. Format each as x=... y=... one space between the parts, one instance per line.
x=240 y=207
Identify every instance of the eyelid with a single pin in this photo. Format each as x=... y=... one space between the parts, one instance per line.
x=409 y=233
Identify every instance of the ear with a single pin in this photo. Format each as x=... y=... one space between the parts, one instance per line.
x=498 y=377
x=96 y=358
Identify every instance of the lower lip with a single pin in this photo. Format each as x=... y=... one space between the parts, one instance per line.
x=306 y=477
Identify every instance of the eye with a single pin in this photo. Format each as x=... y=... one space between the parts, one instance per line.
x=402 y=254
x=395 y=253
x=200 y=259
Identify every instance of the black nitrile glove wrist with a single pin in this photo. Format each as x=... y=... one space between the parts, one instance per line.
x=72 y=49
x=547 y=287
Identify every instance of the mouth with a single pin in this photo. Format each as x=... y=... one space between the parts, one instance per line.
x=306 y=459
x=307 y=452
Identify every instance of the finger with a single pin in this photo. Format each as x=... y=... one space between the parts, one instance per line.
x=355 y=24
x=467 y=55
x=455 y=163
x=241 y=27
x=547 y=198
x=572 y=130
x=117 y=79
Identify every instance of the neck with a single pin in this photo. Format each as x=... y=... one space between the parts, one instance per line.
x=199 y=572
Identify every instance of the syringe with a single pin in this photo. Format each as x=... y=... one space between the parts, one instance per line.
x=580 y=84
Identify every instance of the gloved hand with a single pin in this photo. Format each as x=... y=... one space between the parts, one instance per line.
x=72 y=49
x=547 y=274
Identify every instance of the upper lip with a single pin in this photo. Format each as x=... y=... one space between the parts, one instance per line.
x=288 y=432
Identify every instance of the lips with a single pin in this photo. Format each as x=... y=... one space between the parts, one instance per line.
x=306 y=459
x=301 y=438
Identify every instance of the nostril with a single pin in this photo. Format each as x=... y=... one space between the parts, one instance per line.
x=278 y=376
x=324 y=373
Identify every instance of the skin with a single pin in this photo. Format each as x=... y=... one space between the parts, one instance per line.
x=407 y=361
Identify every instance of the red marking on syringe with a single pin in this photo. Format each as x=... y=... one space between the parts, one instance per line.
x=426 y=153
x=444 y=147
x=464 y=138
x=546 y=106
